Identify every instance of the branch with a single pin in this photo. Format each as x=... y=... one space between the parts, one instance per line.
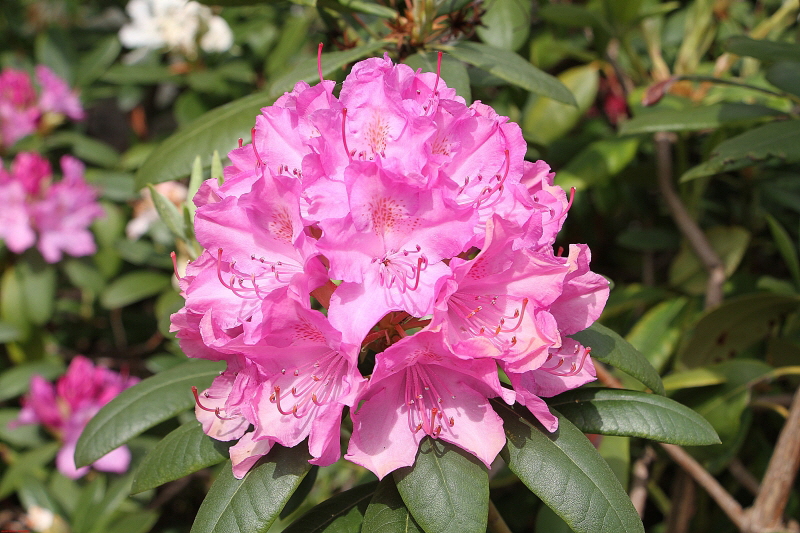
x=639 y=480
x=496 y=523
x=766 y=514
x=686 y=224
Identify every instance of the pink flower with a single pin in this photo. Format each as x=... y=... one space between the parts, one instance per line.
x=22 y=111
x=60 y=213
x=66 y=407
x=381 y=253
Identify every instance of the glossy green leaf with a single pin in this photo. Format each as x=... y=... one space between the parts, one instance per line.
x=785 y=246
x=512 y=68
x=785 y=75
x=763 y=49
x=505 y=24
x=133 y=287
x=598 y=162
x=565 y=471
x=608 y=347
x=454 y=72
x=447 y=489
x=184 y=451
x=221 y=128
x=251 y=504
x=657 y=333
x=16 y=380
x=299 y=496
x=342 y=513
x=725 y=331
x=545 y=120
x=776 y=142
x=169 y=214
x=634 y=414
x=387 y=513
x=729 y=242
x=142 y=406
x=697 y=118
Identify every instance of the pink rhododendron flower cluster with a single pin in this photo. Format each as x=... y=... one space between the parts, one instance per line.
x=60 y=213
x=383 y=252
x=23 y=109
x=66 y=407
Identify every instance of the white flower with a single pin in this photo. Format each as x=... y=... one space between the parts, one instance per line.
x=176 y=25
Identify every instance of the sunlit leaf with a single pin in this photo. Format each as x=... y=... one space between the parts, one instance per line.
x=133 y=287
x=697 y=118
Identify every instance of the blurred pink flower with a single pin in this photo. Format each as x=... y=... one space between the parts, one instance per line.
x=59 y=212
x=64 y=409
x=23 y=110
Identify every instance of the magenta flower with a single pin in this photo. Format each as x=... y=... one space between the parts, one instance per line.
x=23 y=111
x=65 y=408
x=381 y=254
x=60 y=213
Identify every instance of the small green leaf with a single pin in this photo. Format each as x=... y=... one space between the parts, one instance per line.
x=565 y=471
x=776 y=142
x=505 y=24
x=725 y=331
x=184 y=451
x=97 y=61
x=342 y=513
x=785 y=246
x=598 y=162
x=512 y=68
x=169 y=214
x=447 y=489
x=697 y=118
x=785 y=75
x=217 y=172
x=25 y=465
x=16 y=380
x=251 y=504
x=86 y=148
x=141 y=407
x=612 y=349
x=634 y=414
x=139 y=75
x=136 y=522
x=27 y=436
x=763 y=49
x=658 y=332
x=387 y=513
x=38 y=283
x=133 y=287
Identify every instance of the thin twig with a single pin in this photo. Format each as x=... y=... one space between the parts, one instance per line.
x=743 y=476
x=496 y=523
x=686 y=224
x=639 y=480
x=766 y=514
x=726 y=502
x=683 y=506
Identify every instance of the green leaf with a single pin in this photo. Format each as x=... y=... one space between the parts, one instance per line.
x=697 y=118
x=727 y=330
x=634 y=414
x=343 y=513
x=136 y=522
x=598 y=162
x=139 y=74
x=141 y=407
x=505 y=24
x=16 y=380
x=9 y=333
x=785 y=246
x=184 y=451
x=612 y=349
x=658 y=332
x=299 y=496
x=84 y=147
x=89 y=498
x=785 y=75
x=565 y=471
x=27 y=436
x=776 y=142
x=387 y=513
x=25 y=465
x=12 y=302
x=169 y=214
x=454 y=72
x=97 y=61
x=512 y=68
x=195 y=181
x=251 y=504
x=545 y=120
x=763 y=49
x=729 y=242
x=133 y=287
x=446 y=490
x=369 y=8
x=38 y=282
